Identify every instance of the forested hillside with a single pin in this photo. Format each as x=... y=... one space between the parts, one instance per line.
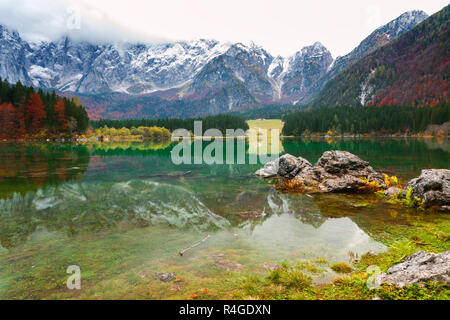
x=26 y=113
x=411 y=70
x=361 y=120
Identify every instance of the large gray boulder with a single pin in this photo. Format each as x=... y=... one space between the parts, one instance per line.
x=290 y=166
x=342 y=171
x=418 y=268
x=433 y=186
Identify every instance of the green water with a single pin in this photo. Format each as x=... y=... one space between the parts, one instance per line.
x=122 y=212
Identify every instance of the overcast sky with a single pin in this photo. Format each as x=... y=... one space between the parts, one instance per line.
x=280 y=26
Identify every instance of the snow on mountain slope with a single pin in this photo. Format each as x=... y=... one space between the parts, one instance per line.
x=378 y=38
x=82 y=67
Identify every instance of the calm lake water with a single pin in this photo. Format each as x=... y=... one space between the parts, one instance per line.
x=122 y=212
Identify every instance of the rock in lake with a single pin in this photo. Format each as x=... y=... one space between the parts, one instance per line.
x=290 y=166
x=341 y=171
x=287 y=166
x=223 y=262
x=335 y=171
x=392 y=192
x=270 y=169
x=418 y=268
x=433 y=186
x=165 y=277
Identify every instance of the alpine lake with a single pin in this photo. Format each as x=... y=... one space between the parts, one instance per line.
x=122 y=212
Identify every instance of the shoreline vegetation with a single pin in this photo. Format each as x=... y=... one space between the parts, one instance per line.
x=28 y=114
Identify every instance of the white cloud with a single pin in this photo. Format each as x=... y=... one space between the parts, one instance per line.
x=280 y=26
x=40 y=20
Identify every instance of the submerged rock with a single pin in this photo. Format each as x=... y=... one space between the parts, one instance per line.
x=433 y=186
x=165 y=277
x=223 y=262
x=392 y=192
x=251 y=214
x=419 y=267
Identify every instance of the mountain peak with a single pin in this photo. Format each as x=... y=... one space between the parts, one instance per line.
x=6 y=33
x=402 y=23
x=315 y=49
x=318 y=44
x=414 y=13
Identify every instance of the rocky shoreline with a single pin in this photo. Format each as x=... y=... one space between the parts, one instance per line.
x=419 y=268
x=343 y=172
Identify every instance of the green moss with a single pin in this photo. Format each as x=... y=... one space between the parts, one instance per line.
x=284 y=283
x=341 y=267
x=309 y=267
x=431 y=291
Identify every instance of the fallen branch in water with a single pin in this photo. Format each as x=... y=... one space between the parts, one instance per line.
x=182 y=252
x=423 y=243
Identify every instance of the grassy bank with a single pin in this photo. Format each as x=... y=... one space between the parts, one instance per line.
x=266 y=124
x=296 y=281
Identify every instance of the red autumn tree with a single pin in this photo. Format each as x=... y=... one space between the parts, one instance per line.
x=7 y=113
x=35 y=113
x=59 y=113
x=20 y=121
x=11 y=121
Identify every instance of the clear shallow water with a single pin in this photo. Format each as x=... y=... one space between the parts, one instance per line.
x=123 y=212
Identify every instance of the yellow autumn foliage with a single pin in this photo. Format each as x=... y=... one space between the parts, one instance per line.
x=390 y=181
x=369 y=186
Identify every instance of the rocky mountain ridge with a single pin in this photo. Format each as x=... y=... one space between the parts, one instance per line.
x=206 y=75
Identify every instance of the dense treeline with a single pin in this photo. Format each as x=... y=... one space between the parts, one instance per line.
x=267 y=112
x=361 y=120
x=27 y=113
x=221 y=122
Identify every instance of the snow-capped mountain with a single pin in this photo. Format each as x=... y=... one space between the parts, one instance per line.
x=294 y=76
x=376 y=39
x=202 y=76
x=129 y=68
x=13 y=56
